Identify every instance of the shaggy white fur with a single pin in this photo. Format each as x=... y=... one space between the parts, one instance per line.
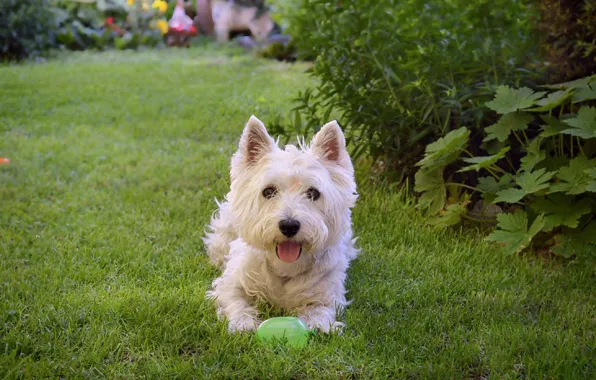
x=311 y=186
x=228 y=17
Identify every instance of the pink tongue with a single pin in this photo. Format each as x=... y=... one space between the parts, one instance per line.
x=288 y=251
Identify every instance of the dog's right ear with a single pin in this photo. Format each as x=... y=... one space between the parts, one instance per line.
x=330 y=145
x=254 y=143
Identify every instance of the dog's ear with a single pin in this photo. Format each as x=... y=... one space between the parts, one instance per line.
x=330 y=144
x=255 y=142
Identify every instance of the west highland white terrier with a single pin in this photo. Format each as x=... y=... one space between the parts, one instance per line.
x=283 y=235
x=230 y=17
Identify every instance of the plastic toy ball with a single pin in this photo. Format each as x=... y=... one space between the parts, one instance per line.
x=289 y=329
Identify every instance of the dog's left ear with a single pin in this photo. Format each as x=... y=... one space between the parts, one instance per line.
x=255 y=142
x=330 y=145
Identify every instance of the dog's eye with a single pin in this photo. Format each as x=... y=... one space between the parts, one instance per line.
x=269 y=192
x=313 y=194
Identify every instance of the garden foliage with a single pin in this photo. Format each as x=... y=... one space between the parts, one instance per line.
x=398 y=74
x=26 y=28
x=106 y=23
x=29 y=28
x=568 y=37
x=537 y=170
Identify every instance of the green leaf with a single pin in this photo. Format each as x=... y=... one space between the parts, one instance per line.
x=585 y=88
x=575 y=178
x=483 y=162
x=534 y=157
x=553 y=100
x=432 y=186
x=568 y=246
x=553 y=127
x=490 y=187
x=446 y=149
x=501 y=130
x=513 y=231
x=511 y=100
x=588 y=232
x=584 y=125
x=591 y=186
x=585 y=93
x=560 y=210
x=493 y=146
x=530 y=182
x=297 y=122
x=554 y=163
x=576 y=241
x=490 y=184
x=510 y=195
x=574 y=84
x=449 y=217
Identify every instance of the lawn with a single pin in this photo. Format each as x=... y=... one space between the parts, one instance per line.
x=116 y=159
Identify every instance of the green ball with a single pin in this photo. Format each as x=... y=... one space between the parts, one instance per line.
x=289 y=329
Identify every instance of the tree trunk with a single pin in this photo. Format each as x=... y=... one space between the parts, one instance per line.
x=204 y=20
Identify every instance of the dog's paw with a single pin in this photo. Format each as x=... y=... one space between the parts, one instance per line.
x=242 y=323
x=337 y=328
x=325 y=325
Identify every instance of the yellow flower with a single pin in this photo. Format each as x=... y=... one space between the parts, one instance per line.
x=131 y=2
x=161 y=5
x=145 y=5
x=162 y=25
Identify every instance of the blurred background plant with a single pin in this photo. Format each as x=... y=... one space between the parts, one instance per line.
x=26 y=28
x=86 y=24
x=30 y=28
x=568 y=38
x=99 y=24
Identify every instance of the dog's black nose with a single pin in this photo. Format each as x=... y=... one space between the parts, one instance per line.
x=289 y=227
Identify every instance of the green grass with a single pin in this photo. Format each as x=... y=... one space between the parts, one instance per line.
x=115 y=161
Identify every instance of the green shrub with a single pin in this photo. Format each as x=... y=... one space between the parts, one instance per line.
x=568 y=37
x=398 y=74
x=280 y=9
x=26 y=28
x=539 y=165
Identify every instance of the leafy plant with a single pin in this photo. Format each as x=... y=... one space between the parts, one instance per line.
x=514 y=231
x=398 y=74
x=26 y=28
x=98 y=24
x=567 y=30
x=544 y=170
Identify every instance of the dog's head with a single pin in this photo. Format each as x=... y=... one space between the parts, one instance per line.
x=293 y=201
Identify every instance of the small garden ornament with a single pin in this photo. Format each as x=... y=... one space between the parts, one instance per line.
x=180 y=27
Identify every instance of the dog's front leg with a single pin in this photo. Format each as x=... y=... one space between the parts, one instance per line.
x=222 y=34
x=328 y=294
x=321 y=317
x=233 y=304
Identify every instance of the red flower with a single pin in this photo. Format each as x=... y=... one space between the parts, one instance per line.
x=110 y=21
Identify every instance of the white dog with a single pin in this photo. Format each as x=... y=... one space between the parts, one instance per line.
x=284 y=232
x=229 y=17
